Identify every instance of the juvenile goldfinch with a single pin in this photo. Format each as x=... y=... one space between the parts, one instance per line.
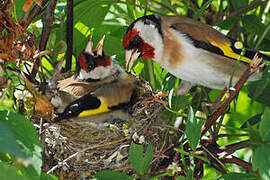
x=95 y=68
x=113 y=88
x=188 y=49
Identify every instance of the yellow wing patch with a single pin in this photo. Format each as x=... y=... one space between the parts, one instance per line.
x=227 y=50
x=101 y=109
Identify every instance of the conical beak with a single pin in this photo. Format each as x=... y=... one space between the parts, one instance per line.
x=100 y=46
x=89 y=46
x=131 y=56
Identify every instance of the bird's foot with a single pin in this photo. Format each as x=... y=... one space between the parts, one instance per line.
x=183 y=88
x=214 y=105
x=155 y=98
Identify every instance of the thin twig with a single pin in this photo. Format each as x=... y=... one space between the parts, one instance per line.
x=232 y=135
x=40 y=127
x=254 y=65
x=60 y=164
x=229 y=149
x=69 y=35
x=246 y=9
x=165 y=6
x=239 y=162
x=35 y=11
x=47 y=20
x=15 y=14
x=214 y=157
x=83 y=150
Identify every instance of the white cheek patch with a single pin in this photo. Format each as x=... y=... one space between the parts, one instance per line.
x=98 y=73
x=150 y=34
x=83 y=75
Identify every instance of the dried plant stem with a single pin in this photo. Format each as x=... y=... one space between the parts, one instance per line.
x=47 y=20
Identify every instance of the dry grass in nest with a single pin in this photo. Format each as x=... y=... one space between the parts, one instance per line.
x=78 y=149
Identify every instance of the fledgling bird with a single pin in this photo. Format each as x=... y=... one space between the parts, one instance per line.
x=111 y=87
x=190 y=50
x=91 y=73
x=86 y=80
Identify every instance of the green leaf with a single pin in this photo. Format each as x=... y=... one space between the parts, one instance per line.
x=169 y=81
x=259 y=90
x=29 y=172
x=202 y=10
x=88 y=15
x=253 y=120
x=227 y=24
x=254 y=135
x=239 y=4
x=264 y=45
x=25 y=135
x=8 y=142
x=261 y=161
x=19 y=8
x=45 y=176
x=181 y=178
x=131 y=9
x=10 y=172
x=265 y=125
x=193 y=129
x=108 y=175
x=237 y=176
x=253 y=24
x=140 y=161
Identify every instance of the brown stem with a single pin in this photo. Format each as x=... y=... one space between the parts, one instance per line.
x=47 y=20
x=231 y=135
x=240 y=162
x=229 y=149
x=225 y=105
x=69 y=35
x=35 y=11
x=246 y=9
x=165 y=6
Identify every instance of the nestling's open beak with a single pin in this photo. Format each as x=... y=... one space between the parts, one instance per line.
x=131 y=56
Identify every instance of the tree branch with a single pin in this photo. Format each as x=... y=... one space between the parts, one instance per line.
x=69 y=35
x=240 y=162
x=246 y=9
x=35 y=11
x=254 y=65
x=229 y=149
x=47 y=20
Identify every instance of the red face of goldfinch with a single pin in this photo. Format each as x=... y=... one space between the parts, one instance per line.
x=95 y=64
x=90 y=59
x=133 y=42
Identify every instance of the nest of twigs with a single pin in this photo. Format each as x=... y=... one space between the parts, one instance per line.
x=78 y=149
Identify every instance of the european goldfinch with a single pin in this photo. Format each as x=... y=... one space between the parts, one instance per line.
x=95 y=68
x=190 y=50
x=110 y=86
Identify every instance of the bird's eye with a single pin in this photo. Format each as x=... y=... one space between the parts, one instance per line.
x=90 y=66
x=135 y=42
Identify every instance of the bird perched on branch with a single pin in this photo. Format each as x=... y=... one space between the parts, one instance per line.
x=106 y=87
x=188 y=49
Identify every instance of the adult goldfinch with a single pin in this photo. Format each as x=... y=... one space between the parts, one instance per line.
x=110 y=86
x=188 y=49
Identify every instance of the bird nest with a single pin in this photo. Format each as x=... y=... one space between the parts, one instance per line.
x=77 y=149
